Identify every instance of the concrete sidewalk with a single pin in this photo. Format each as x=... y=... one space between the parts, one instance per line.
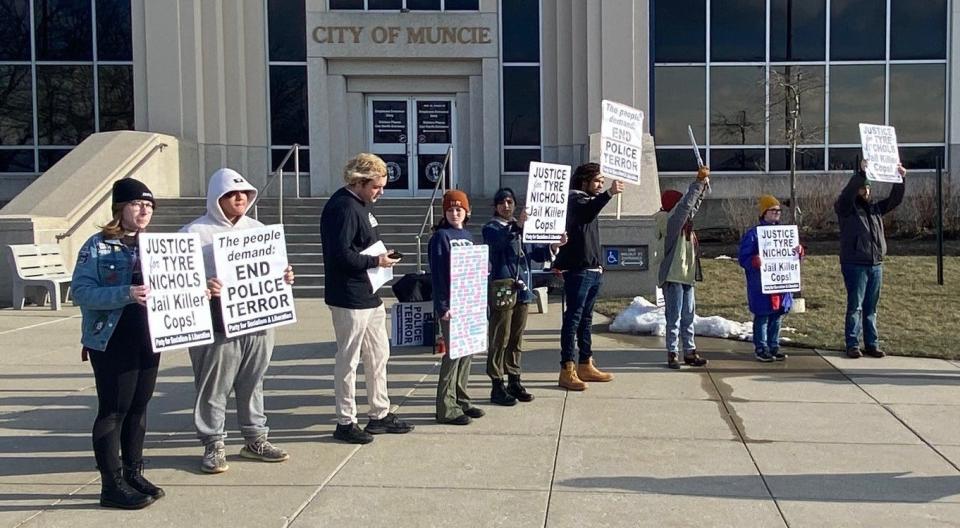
x=817 y=441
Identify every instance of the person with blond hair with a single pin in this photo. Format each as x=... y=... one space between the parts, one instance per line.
x=347 y=228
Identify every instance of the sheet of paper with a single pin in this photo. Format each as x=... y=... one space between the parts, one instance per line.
x=378 y=276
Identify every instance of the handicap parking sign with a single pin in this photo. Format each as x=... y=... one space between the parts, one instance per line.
x=613 y=257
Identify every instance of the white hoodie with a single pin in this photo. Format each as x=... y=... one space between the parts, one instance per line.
x=221 y=182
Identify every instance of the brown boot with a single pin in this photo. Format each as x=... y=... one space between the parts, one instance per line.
x=569 y=379
x=588 y=372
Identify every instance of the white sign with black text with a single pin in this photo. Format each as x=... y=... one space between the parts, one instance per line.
x=621 y=142
x=879 y=145
x=546 y=205
x=178 y=311
x=779 y=262
x=412 y=324
x=251 y=263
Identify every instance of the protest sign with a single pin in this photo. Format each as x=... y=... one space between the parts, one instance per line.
x=546 y=205
x=250 y=263
x=621 y=142
x=879 y=145
x=779 y=264
x=178 y=312
x=412 y=324
x=468 y=301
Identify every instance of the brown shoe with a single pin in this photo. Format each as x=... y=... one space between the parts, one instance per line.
x=569 y=379
x=588 y=372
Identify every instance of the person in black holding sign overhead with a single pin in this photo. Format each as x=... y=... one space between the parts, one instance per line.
x=238 y=363
x=108 y=287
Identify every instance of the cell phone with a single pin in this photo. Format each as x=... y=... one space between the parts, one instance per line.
x=396 y=255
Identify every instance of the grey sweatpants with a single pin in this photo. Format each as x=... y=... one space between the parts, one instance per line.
x=236 y=364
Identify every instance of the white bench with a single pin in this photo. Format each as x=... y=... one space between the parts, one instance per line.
x=38 y=265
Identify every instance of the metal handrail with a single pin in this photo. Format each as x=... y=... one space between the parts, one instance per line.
x=278 y=172
x=86 y=216
x=428 y=217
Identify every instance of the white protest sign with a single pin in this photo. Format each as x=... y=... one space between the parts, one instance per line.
x=178 y=312
x=621 y=142
x=468 y=301
x=779 y=264
x=546 y=205
x=879 y=145
x=412 y=324
x=250 y=263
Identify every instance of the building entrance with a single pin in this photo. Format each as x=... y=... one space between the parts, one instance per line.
x=411 y=134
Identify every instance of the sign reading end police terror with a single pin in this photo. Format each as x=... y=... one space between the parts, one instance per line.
x=621 y=142
x=250 y=263
x=879 y=145
x=779 y=263
x=413 y=324
x=546 y=204
x=178 y=312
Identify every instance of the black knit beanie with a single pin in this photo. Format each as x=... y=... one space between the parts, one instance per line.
x=128 y=190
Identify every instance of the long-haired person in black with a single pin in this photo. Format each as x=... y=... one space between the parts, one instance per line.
x=108 y=286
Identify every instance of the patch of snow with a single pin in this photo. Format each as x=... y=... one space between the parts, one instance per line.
x=643 y=317
x=723 y=257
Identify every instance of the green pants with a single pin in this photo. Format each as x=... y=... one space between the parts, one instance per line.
x=452 y=397
x=506 y=341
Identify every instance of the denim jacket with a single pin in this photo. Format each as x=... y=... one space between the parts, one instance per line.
x=101 y=286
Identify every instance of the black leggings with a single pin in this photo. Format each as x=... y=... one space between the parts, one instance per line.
x=126 y=375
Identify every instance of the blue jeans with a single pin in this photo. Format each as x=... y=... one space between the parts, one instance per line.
x=766 y=332
x=863 y=294
x=680 y=307
x=580 y=289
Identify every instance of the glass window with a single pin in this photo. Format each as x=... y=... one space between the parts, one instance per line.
x=808 y=159
x=49 y=157
x=14 y=31
x=518 y=160
x=288 y=105
x=918 y=29
x=797 y=30
x=423 y=5
x=786 y=83
x=917 y=102
x=277 y=154
x=16 y=106
x=287 y=25
x=392 y=5
x=844 y=158
x=63 y=30
x=16 y=160
x=521 y=105
x=856 y=96
x=680 y=31
x=919 y=157
x=737 y=105
x=113 y=30
x=858 y=30
x=680 y=98
x=736 y=160
x=677 y=160
x=346 y=4
x=737 y=30
x=520 y=22
x=116 y=97
x=462 y=5
x=64 y=104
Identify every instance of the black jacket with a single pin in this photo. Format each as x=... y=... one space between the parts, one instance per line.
x=582 y=250
x=861 y=223
x=347 y=227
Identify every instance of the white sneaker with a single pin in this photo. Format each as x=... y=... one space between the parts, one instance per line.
x=214 y=458
x=261 y=449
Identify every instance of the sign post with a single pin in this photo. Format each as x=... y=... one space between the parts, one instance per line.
x=546 y=203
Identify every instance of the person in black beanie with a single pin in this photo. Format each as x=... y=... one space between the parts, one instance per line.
x=108 y=287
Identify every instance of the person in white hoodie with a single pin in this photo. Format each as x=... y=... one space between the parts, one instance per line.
x=237 y=363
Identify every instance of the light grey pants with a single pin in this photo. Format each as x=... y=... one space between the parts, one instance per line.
x=236 y=364
x=360 y=334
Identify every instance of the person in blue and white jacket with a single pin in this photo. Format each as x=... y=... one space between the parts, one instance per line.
x=108 y=287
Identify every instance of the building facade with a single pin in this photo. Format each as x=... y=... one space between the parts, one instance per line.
x=502 y=82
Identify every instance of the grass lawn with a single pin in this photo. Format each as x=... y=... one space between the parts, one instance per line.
x=917 y=317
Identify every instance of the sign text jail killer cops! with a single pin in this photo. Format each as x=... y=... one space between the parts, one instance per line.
x=621 y=142
x=546 y=204
x=178 y=312
x=879 y=145
x=779 y=263
x=251 y=263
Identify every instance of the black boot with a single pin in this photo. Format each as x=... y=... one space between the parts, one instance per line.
x=517 y=390
x=133 y=474
x=499 y=396
x=116 y=493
